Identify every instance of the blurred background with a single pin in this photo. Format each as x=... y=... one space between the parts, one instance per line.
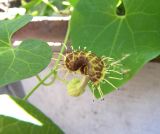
x=13 y=8
x=133 y=109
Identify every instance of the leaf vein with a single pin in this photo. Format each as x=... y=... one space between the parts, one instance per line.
x=32 y=53
x=5 y=42
x=133 y=38
x=116 y=36
x=101 y=32
x=25 y=63
x=10 y=63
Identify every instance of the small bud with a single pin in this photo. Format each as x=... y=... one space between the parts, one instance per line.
x=74 y=87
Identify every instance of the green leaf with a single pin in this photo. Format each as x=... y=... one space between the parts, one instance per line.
x=114 y=28
x=31 y=4
x=19 y=117
x=73 y=2
x=31 y=57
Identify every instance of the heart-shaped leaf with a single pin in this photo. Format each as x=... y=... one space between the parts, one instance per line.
x=115 y=28
x=24 y=61
x=19 y=117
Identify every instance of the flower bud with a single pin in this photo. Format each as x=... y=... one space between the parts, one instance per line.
x=74 y=87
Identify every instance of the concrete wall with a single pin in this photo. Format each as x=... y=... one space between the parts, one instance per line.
x=135 y=109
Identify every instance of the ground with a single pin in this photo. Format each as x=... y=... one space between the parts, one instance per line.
x=133 y=109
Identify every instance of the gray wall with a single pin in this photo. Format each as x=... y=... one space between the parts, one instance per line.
x=134 y=109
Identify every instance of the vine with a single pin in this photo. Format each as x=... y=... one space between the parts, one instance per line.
x=54 y=70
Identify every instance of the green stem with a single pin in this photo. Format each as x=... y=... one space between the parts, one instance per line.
x=44 y=83
x=34 y=89
x=53 y=71
x=84 y=82
x=54 y=8
x=62 y=80
x=63 y=47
